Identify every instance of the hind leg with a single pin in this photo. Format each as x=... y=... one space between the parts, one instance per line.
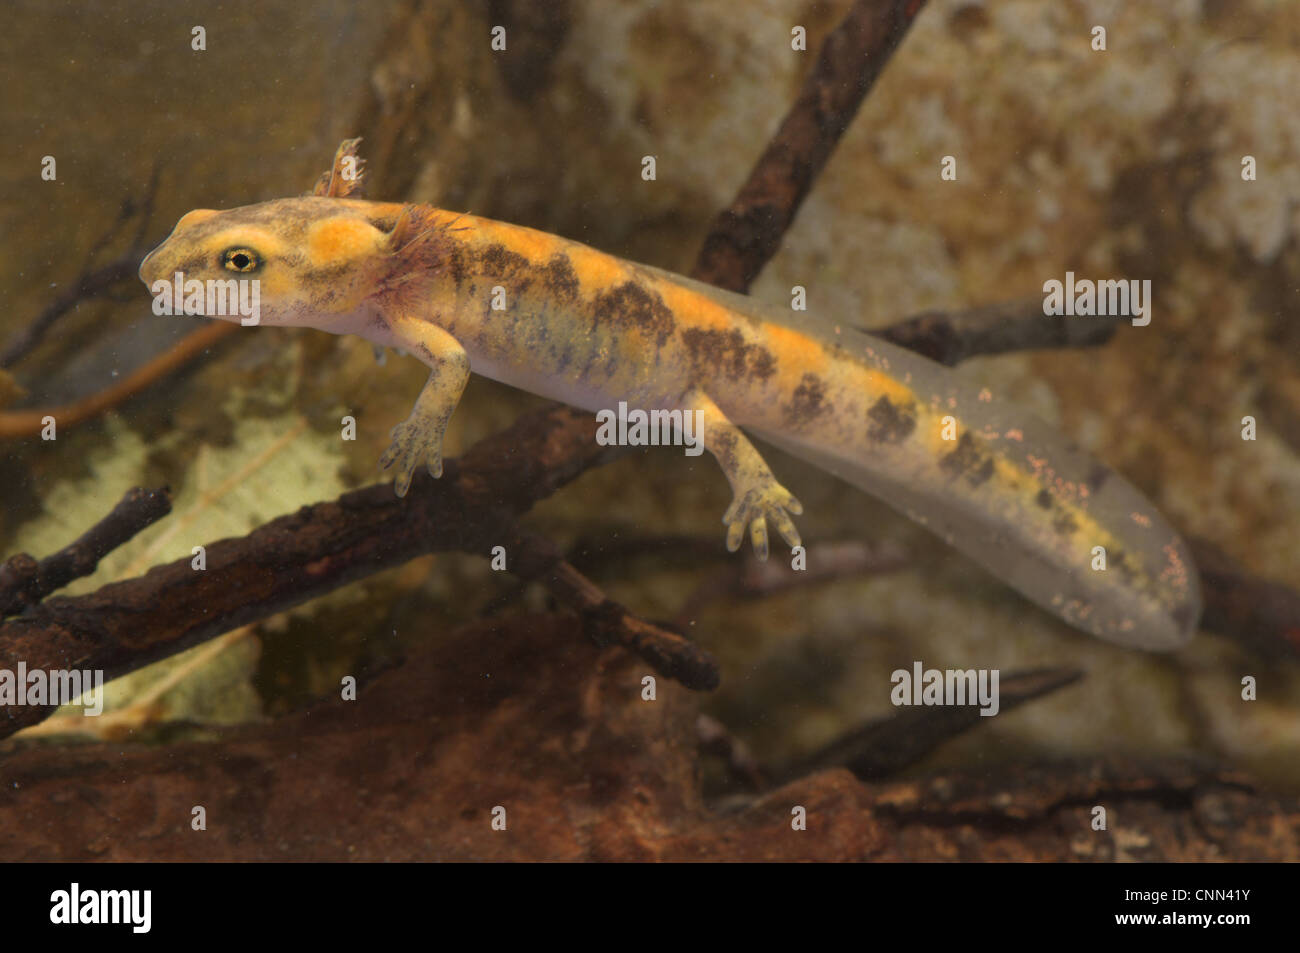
x=758 y=497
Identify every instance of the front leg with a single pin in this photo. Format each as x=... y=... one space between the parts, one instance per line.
x=758 y=497
x=418 y=439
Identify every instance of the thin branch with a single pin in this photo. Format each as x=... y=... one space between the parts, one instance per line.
x=92 y=282
x=89 y=284
x=126 y=625
x=1261 y=614
x=606 y=622
x=951 y=337
x=25 y=582
x=747 y=234
x=884 y=747
x=143 y=710
x=27 y=423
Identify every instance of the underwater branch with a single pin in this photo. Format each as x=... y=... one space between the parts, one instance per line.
x=290 y=560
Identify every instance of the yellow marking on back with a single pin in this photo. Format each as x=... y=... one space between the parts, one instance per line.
x=693 y=309
x=596 y=271
x=536 y=246
x=805 y=352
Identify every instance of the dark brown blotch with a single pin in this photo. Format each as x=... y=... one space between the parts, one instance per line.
x=729 y=353
x=762 y=363
x=966 y=460
x=808 y=400
x=560 y=278
x=1044 y=499
x=501 y=262
x=630 y=306
x=889 y=422
x=1065 y=525
x=502 y=266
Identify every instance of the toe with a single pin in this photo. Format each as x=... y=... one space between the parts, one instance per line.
x=785 y=526
x=735 y=533
x=758 y=536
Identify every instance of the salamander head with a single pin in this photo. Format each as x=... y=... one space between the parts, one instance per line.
x=314 y=260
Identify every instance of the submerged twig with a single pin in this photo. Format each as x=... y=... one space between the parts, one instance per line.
x=92 y=282
x=27 y=423
x=748 y=232
x=536 y=558
x=884 y=747
x=89 y=284
x=126 y=625
x=25 y=582
x=143 y=710
x=951 y=337
x=1261 y=614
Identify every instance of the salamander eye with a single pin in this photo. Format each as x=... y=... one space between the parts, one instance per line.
x=241 y=259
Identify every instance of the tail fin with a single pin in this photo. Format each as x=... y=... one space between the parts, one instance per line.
x=1156 y=608
x=1015 y=495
